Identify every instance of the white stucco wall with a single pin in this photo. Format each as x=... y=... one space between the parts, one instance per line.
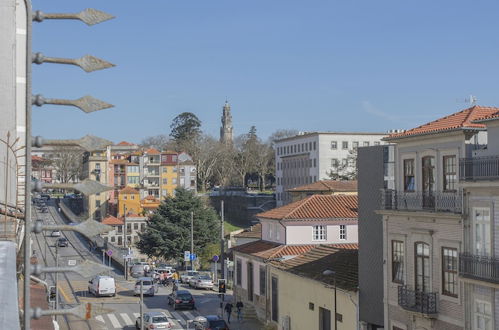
x=304 y=234
x=273 y=231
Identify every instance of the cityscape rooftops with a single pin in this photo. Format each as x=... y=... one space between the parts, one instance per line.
x=308 y=134
x=129 y=190
x=110 y=220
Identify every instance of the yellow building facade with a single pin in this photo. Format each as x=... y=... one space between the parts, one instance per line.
x=129 y=202
x=168 y=173
x=133 y=175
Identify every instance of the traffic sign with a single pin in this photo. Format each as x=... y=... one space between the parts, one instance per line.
x=215 y=258
x=109 y=252
x=71 y=262
x=193 y=256
x=187 y=255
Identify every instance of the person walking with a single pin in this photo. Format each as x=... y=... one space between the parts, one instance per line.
x=228 y=310
x=239 y=306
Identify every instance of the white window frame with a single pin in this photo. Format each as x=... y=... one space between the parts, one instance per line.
x=482 y=227
x=343 y=232
x=270 y=230
x=476 y=315
x=319 y=233
x=334 y=145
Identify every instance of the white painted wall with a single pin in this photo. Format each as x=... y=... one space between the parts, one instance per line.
x=304 y=234
x=273 y=231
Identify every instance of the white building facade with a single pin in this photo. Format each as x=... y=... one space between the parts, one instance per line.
x=309 y=157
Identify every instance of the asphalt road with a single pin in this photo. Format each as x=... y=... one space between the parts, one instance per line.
x=124 y=308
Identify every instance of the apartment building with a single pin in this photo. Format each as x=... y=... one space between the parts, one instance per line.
x=150 y=163
x=425 y=218
x=310 y=157
x=95 y=167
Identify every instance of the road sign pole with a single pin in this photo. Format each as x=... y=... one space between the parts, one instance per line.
x=192 y=239
x=141 y=305
x=56 y=280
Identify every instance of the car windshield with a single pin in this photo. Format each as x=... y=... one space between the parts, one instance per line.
x=145 y=283
x=192 y=273
x=159 y=319
x=184 y=296
x=206 y=278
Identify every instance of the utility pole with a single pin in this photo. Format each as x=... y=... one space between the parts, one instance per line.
x=56 y=280
x=192 y=240
x=141 y=305
x=222 y=241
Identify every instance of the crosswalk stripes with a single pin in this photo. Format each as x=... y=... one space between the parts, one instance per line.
x=180 y=319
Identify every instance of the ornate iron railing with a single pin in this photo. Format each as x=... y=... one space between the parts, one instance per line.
x=479 y=168
x=479 y=267
x=417 y=301
x=437 y=201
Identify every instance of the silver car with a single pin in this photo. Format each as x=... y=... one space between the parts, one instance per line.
x=201 y=282
x=148 y=286
x=154 y=320
x=185 y=277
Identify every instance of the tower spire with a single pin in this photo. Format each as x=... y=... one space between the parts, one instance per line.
x=226 y=129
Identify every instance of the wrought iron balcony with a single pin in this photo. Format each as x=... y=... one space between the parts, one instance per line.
x=479 y=267
x=479 y=168
x=436 y=201
x=418 y=301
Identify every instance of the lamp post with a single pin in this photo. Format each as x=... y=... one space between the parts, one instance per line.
x=329 y=272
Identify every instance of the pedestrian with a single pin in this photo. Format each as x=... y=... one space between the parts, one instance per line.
x=228 y=310
x=59 y=209
x=239 y=306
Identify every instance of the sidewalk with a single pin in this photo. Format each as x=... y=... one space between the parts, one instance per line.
x=244 y=324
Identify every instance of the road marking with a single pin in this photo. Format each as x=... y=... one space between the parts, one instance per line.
x=100 y=318
x=189 y=315
x=64 y=294
x=179 y=319
x=127 y=319
x=136 y=315
x=114 y=321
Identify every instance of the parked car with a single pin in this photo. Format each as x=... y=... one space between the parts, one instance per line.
x=201 y=282
x=154 y=320
x=181 y=299
x=210 y=322
x=62 y=242
x=185 y=277
x=148 y=286
x=102 y=286
x=56 y=233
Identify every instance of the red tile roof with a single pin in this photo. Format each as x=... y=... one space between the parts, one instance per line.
x=251 y=232
x=327 y=185
x=151 y=198
x=312 y=264
x=255 y=247
x=129 y=190
x=460 y=120
x=37 y=159
x=316 y=207
x=152 y=151
x=492 y=116
x=110 y=220
x=124 y=143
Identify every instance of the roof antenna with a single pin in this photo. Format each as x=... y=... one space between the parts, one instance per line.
x=471 y=100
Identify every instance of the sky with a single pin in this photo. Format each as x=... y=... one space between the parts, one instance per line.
x=314 y=65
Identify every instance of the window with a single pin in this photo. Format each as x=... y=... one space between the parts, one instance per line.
x=113 y=239
x=132 y=197
x=174 y=169
x=311 y=306
x=133 y=179
x=120 y=240
x=343 y=232
x=409 y=175
x=174 y=180
x=334 y=145
x=482 y=315
x=136 y=226
x=344 y=145
x=165 y=181
x=481 y=227
x=422 y=266
x=97 y=203
x=270 y=230
x=315 y=162
x=428 y=163
x=365 y=143
x=120 y=229
x=319 y=233
x=377 y=143
x=263 y=280
x=398 y=261
x=239 y=271
x=449 y=173
x=324 y=319
x=449 y=271
x=315 y=145
x=334 y=162
x=165 y=169
x=355 y=144
x=125 y=197
x=277 y=233
x=97 y=166
x=274 y=298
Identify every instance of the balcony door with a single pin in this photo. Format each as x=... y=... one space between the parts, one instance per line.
x=428 y=184
x=422 y=268
x=482 y=233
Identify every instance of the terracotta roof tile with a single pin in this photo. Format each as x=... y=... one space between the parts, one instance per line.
x=488 y=117
x=129 y=190
x=125 y=143
x=110 y=220
x=460 y=120
x=316 y=207
x=251 y=232
x=119 y=161
x=151 y=198
x=152 y=151
x=255 y=247
x=328 y=185
x=344 y=262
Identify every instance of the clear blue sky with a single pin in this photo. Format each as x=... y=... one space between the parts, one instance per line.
x=312 y=65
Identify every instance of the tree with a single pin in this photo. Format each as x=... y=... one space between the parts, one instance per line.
x=185 y=126
x=281 y=134
x=168 y=232
x=68 y=164
x=206 y=160
x=345 y=169
x=264 y=162
x=159 y=142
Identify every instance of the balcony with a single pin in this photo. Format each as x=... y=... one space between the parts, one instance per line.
x=479 y=267
x=436 y=201
x=479 y=168
x=418 y=301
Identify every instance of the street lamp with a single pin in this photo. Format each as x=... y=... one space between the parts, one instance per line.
x=329 y=272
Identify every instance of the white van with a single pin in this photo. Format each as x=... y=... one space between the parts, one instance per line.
x=102 y=286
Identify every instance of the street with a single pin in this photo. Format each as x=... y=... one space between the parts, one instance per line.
x=73 y=289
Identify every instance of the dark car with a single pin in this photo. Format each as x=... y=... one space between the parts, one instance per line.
x=62 y=242
x=181 y=299
x=210 y=322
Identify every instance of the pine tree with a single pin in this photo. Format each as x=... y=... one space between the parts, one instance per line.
x=168 y=232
